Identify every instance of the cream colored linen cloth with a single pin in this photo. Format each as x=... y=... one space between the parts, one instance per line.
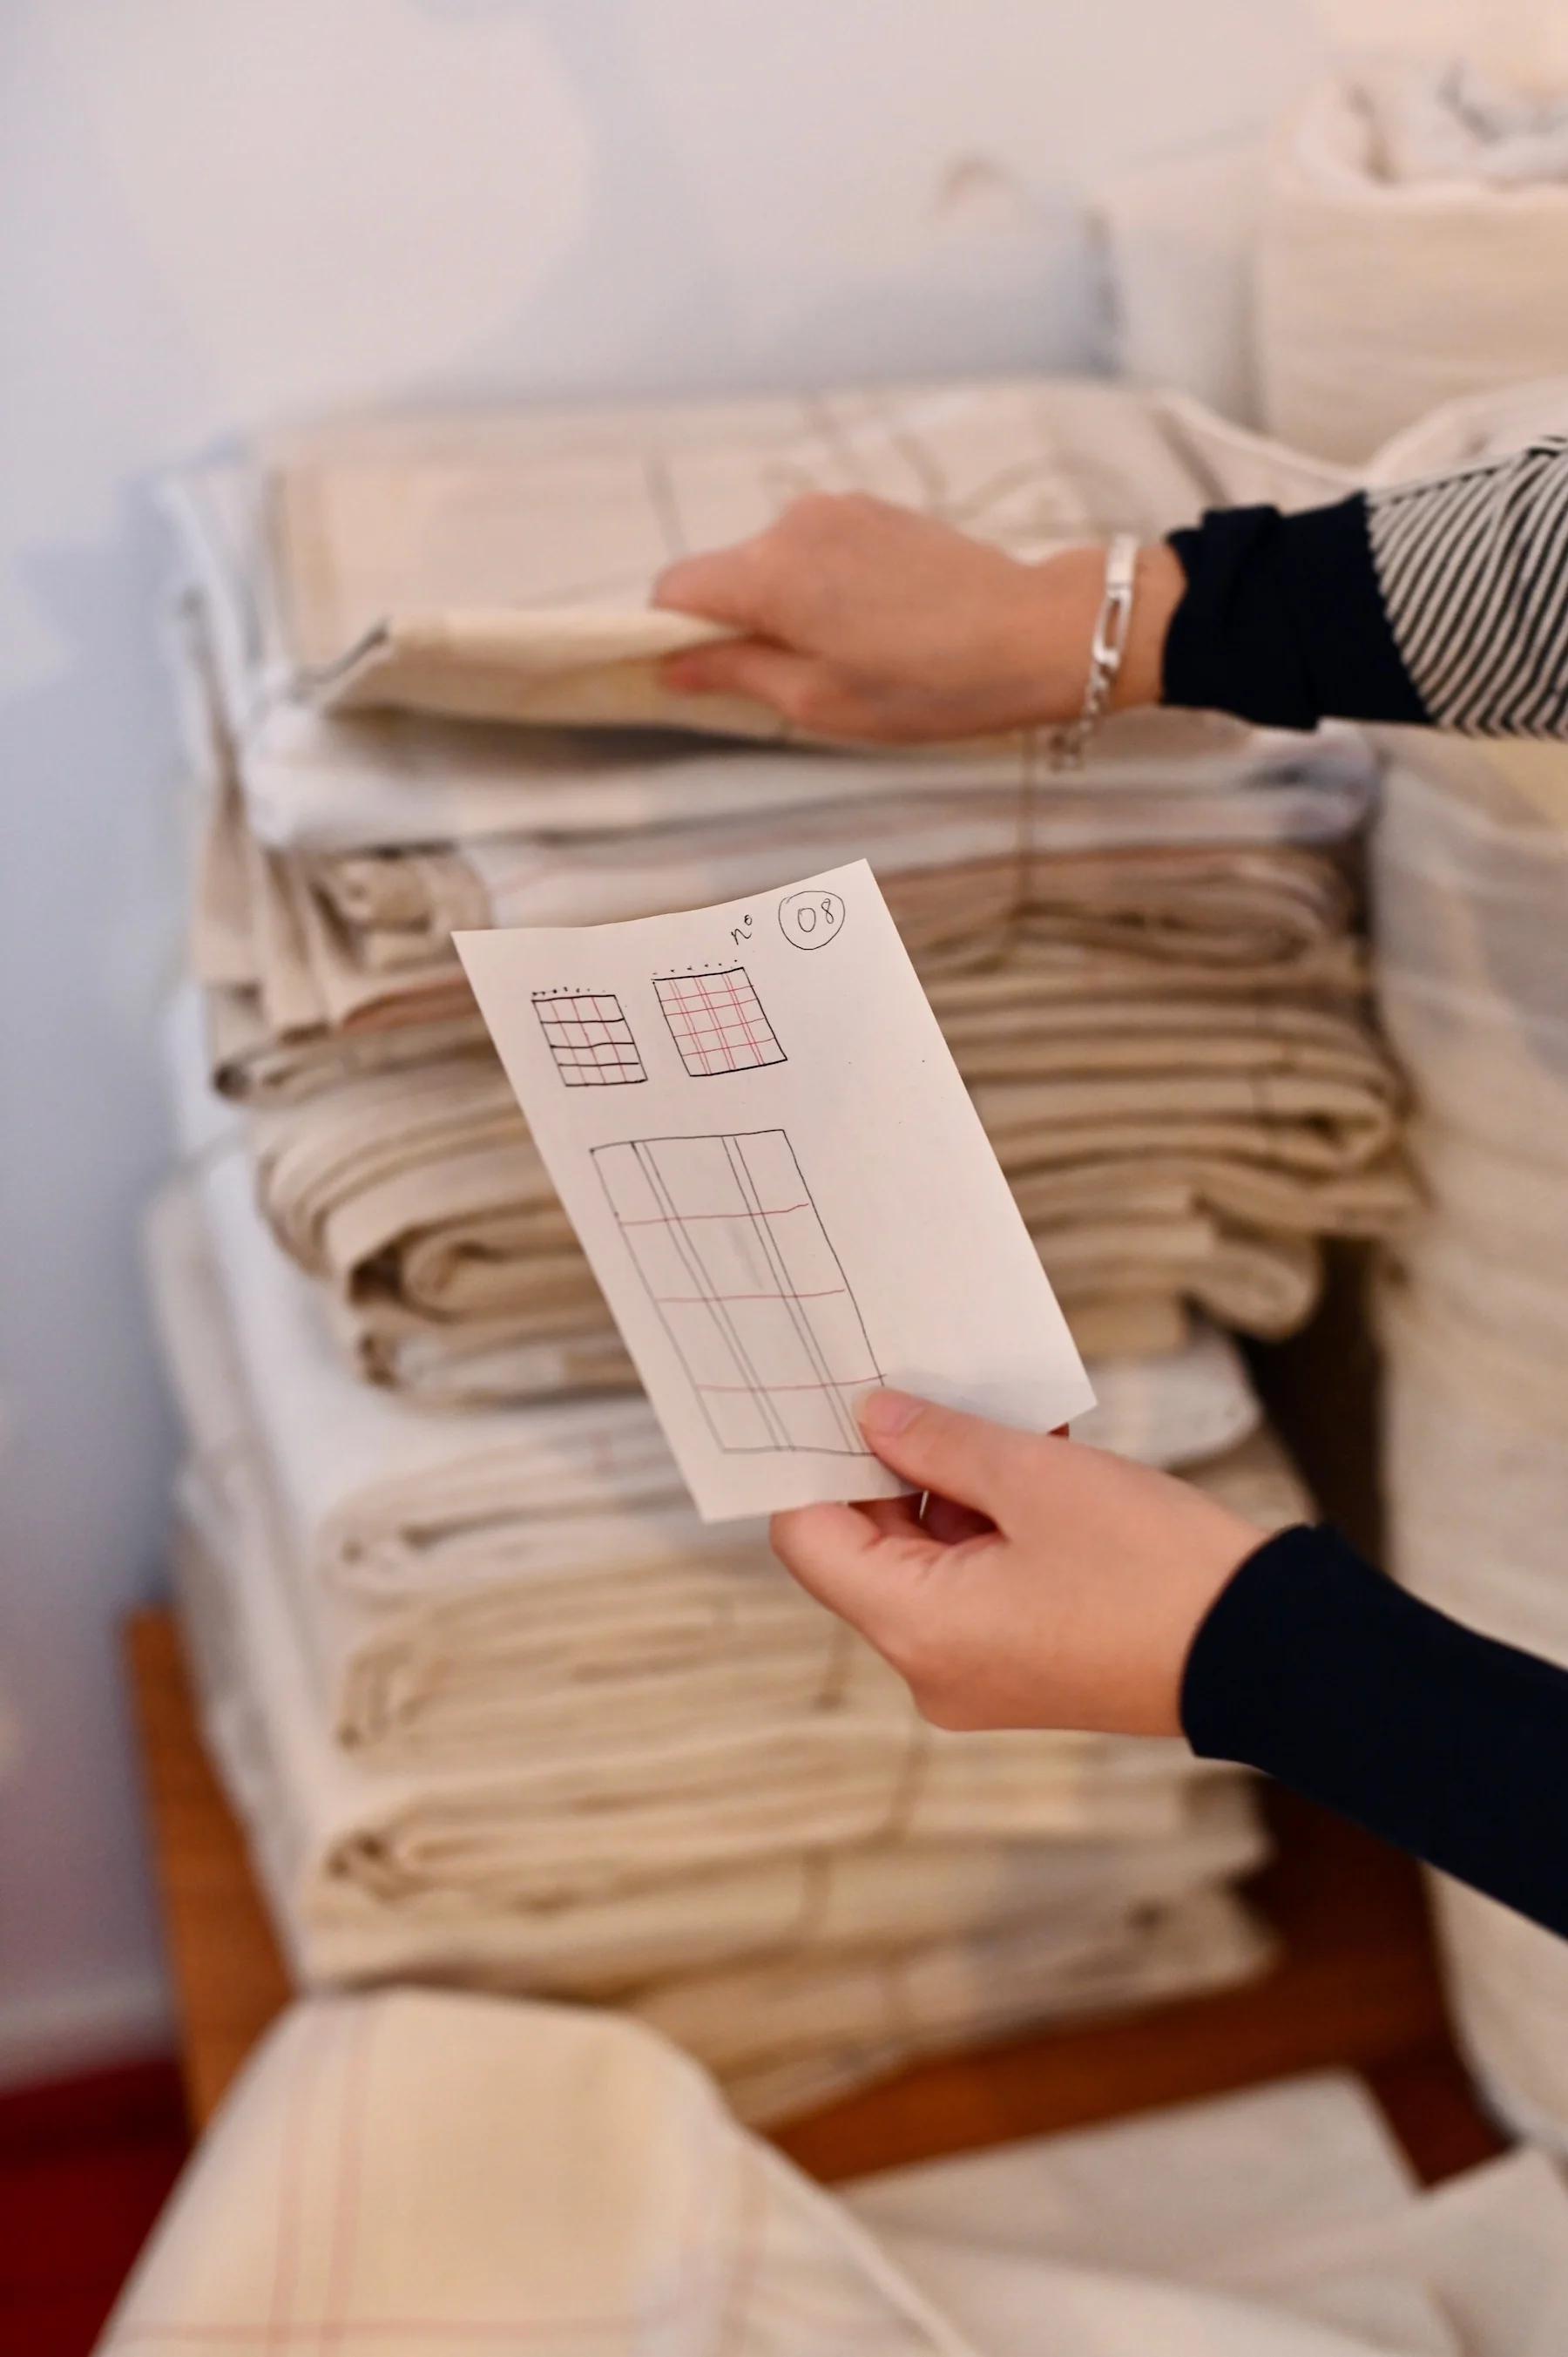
x=1292 y=2193
x=1143 y=1143
x=1382 y=292
x=819 y=1964
x=409 y=1540
x=420 y=2171
x=323 y=787
x=345 y=937
x=500 y=565
x=875 y=1961
x=554 y=1631
x=358 y=945
x=315 y=1820
x=1048 y=870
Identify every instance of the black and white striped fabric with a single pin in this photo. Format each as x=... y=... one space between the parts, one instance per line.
x=1472 y=568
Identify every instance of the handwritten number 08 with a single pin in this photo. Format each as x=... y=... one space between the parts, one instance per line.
x=808 y=920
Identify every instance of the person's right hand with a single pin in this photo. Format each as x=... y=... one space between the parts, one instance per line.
x=863 y=621
x=1048 y=1584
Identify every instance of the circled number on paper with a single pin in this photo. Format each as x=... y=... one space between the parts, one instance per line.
x=808 y=921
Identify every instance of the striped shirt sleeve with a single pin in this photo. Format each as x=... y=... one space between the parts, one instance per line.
x=1473 y=573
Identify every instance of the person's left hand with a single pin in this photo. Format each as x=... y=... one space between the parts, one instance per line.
x=1048 y=1584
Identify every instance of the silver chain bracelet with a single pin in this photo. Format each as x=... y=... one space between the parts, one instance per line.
x=1109 y=644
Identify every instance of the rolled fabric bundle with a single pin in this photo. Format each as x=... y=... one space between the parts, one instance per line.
x=1386 y=287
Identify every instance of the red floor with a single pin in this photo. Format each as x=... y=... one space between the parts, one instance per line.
x=84 y=2168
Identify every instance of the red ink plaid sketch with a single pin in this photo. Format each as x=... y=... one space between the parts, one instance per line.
x=590 y=1038
x=717 y=1023
x=736 y=1261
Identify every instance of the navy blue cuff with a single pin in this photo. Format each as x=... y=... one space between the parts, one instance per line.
x=1283 y=621
x=1318 y=1669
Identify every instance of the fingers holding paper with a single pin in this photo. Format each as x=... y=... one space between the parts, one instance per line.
x=1077 y=1610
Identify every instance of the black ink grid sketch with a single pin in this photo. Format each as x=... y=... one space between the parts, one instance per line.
x=717 y=1023
x=733 y=1252
x=590 y=1038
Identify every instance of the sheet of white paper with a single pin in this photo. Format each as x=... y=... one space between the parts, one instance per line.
x=760 y=1137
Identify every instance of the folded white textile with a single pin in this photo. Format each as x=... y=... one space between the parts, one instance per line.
x=499 y=1586
x=503 y=566
x=540 y=1828
x=649 y=1637
x=389 y=1502
x=318 y=1822
x=1290 y=2195
x=774 y=2057
x=1177 y=2191
x=1449 y=120
x=1170 y=1141
x=1381 y=297
x=596 y=880
x=313 y=783
x=420 y=2171
x=316 y=533
x=800 y=1971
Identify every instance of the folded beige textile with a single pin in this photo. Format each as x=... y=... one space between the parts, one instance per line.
x=1147 y=1144
x=803 y=2035
x=1089 y=890
x=661 y=1626
x=375 y=1874
x=558 y=1820
x=411 y=1543
x=311 y=783
x=426 y=2171
x=312 y=1812
x=502 y=566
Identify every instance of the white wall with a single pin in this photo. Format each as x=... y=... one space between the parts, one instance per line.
x=214 y=209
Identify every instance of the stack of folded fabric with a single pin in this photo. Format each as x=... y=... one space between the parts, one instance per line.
x=1151 y=983
x=496 y=1707
x=436 y=2172
x=1472 y=886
